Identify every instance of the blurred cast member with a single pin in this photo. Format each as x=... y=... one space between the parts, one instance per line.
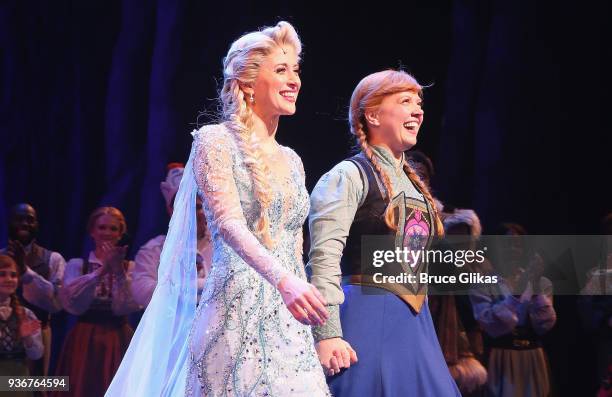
x=144 y=278
x=97 y=290
x=20 y=335
x=41 y=272
x=515 y=313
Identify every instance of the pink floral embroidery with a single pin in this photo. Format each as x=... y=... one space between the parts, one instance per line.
x=416 y=232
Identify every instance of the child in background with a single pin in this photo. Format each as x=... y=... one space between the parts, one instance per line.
x=20 y=336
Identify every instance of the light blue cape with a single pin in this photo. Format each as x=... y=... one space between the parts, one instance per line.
x=155 y=363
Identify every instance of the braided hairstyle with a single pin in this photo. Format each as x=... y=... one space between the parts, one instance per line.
x=7 y=262
x=369 y=94
x=240 y=68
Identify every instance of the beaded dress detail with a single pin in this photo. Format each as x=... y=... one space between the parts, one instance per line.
x=244 y=341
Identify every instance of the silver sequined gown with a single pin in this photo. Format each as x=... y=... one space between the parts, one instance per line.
x=244 y=341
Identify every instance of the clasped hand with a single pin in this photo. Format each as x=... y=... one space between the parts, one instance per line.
x=112 y=258
x=335 y=354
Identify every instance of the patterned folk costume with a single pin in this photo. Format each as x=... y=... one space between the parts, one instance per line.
x=388 y=325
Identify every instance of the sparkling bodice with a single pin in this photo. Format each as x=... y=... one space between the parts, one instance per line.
x=232 y=210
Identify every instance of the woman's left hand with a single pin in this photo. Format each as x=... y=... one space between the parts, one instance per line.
x=536 y=271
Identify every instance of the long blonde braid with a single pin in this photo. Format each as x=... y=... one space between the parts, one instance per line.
x=241 y=66
x=240 y=123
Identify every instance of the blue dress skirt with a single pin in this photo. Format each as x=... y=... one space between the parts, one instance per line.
x=398 y=350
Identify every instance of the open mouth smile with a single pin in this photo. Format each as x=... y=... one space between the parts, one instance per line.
x=291 y=96
x=412 y=126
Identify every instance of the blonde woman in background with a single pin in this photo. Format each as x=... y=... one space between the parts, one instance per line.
x=97 y=289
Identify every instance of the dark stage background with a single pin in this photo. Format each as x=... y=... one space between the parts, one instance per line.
x=98 y=96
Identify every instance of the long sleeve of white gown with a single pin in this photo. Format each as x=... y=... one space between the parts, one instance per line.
x=214 y=172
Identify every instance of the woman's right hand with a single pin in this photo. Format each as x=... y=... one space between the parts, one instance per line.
x=535 y=272
x=112 y=258
x=29 y=327
x=303 y=300
x=334 y=354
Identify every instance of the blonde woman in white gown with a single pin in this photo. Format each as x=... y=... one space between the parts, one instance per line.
x=251 y=333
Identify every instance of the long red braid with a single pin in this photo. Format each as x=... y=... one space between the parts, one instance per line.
x=369 y=94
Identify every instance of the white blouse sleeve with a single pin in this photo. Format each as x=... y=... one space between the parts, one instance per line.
x=33 y=344
x=42 y=292
x=79 y=289
x=541 y=311
x=213 y=168
x=497 y=317
x=123 y=300
x=144 y=276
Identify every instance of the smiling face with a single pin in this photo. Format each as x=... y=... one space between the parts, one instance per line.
x=277 y=84
x=8 y=277
x=23 y=224
x=106 y=228
x=395 y=123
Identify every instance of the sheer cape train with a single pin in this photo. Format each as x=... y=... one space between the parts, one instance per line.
x=156 y=361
